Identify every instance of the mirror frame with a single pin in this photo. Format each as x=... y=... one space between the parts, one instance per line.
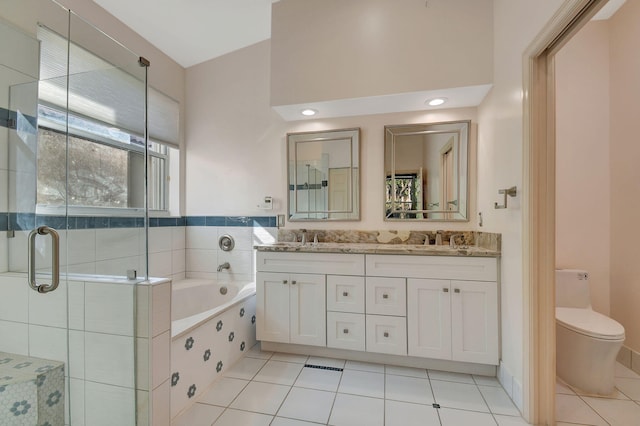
x=391 y=132
x=353 y=136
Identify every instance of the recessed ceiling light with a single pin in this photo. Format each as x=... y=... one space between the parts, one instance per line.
x=436 y=101
x=309 y=112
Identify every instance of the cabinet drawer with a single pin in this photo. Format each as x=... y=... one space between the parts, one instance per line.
x=345 y=294
x=345 y=331
x=438 y=267
x=387 y=334
x=386 y=296
x=310 y=263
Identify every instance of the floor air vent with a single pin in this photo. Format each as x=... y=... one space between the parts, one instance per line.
x=322 y=367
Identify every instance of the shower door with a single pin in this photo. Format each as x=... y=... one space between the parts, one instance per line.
x=72 y=215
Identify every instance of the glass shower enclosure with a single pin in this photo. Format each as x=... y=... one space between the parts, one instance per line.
x=73 y=218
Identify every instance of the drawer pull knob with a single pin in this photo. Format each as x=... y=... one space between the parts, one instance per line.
x=345 y=331
x=345 y=293
x=446 y=290
x=293 y=282
x=385 y=296
x=284 y=281
x=457 y=290
x=386 y=334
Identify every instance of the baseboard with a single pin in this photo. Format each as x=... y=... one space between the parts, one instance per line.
x=629 y=358
x=400 y=360
x=511 y=385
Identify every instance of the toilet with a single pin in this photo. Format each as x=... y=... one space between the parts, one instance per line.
x=587 y=342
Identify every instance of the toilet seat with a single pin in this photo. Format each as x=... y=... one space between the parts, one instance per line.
x=589 y=323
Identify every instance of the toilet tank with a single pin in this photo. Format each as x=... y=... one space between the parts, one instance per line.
x=572 y=288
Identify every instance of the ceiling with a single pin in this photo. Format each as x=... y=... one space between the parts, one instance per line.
x=194 y=31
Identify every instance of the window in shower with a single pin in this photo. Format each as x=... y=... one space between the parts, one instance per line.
x=93 y=116
x=105 y=165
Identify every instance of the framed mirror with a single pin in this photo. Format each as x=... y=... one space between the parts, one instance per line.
x=427 y=172
x=323 y=175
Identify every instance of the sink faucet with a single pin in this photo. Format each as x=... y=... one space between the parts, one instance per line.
x=438 y=238
x=225 y=265
x=303 y=239
x=452 y=240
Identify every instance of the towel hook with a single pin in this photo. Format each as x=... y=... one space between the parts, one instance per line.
x=511 y=192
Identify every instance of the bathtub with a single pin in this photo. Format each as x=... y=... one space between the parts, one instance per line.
x=210 y=331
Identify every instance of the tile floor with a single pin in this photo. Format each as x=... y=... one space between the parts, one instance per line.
x=621 y=409
x=277 y=389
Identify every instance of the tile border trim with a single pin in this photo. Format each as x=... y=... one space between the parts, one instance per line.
x=28 y=221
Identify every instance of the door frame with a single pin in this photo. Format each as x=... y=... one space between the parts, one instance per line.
x=539 y=182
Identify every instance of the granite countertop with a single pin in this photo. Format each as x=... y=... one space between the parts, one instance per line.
x=372 y=248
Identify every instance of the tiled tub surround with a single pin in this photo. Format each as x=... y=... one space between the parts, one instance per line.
x=100 y=325
x=202 y=351
x=203 y=255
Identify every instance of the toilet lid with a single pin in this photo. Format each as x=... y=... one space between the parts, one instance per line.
x=590 y=323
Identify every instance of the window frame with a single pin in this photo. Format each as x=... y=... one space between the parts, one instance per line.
x=65 y=128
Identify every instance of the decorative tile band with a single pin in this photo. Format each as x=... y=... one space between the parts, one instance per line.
x=9 y=118
x=28 y=221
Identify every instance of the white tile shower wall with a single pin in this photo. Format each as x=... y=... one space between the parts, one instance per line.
x=100 y=343
x=167 y=252
x=4 y=252
x=203 y=255
x=103 y=251
x=4 y=181
x=153 y=343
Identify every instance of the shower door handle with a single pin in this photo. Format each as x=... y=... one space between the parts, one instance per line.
x=55 y=259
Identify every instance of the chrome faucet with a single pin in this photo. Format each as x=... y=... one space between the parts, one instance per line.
x=225 y=265
x=452 y=240
x=303 y=239
x=438 y=238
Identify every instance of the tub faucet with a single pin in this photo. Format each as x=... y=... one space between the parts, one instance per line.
x=225 y=265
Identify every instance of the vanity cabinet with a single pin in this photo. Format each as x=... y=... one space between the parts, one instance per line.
x=291 y=308
x=291 y=294
x=452 y=305
x=439 y=307
x=454 y=320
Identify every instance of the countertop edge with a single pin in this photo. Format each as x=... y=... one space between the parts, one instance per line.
x=396 y=249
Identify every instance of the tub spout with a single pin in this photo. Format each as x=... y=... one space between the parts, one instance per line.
x=225 y=265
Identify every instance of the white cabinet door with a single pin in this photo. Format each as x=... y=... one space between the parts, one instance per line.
x=474 y=321
x=308 y=310
x=429 y=318
x=272 y=307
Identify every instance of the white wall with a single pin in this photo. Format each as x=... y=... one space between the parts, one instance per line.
x=625 y=173
x=336 y=49
x=500 y=165
x=582 y=158
x=236 y=147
